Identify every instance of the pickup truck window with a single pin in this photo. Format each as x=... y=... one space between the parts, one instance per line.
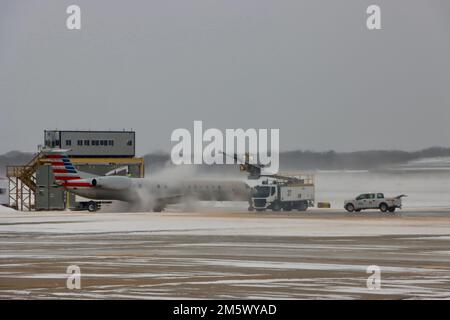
x=380 y=195
x=371 y=196
x=361 y=197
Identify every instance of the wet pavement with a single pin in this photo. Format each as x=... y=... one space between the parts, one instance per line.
x=217 y=254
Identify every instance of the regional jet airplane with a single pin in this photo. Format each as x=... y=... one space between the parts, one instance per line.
x=153 y=194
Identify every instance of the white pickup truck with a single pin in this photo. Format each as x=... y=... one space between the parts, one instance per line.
x=373 y=201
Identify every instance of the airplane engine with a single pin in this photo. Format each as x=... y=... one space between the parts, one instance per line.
x=112 y=182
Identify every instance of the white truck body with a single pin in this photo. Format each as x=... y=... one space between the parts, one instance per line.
x=281 y=195
x=373 y=201
x=295 y=193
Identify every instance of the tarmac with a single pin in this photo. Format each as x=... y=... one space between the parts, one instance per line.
x=226 y=253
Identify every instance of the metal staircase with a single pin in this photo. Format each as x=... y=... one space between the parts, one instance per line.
x=22 y=184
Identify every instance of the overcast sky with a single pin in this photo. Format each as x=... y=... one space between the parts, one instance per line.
x=310 y=68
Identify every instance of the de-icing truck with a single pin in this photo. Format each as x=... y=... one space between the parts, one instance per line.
x=285 y=192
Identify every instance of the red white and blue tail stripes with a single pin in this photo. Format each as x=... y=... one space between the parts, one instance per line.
x=63 y=170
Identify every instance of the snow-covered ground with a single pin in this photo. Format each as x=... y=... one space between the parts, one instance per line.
x=4 y=209
x=217 y=222
x=220 y=254
x=437 y=163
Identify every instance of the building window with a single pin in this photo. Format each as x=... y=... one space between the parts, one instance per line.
x=86 y=142
x=101 y=142
x=129 y=142
x=80 y=142
x=2 y=191
x=111 y=142
x=68 y=142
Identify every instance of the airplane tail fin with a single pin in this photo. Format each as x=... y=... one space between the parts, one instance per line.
x=63 y=169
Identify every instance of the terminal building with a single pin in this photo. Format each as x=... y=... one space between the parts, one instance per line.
x=93 y=144
x=32 y=186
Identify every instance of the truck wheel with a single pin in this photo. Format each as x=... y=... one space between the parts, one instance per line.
x=349 y=207
x=302 y=206
x=158 y=208
x=392 y=209
x=276 y=206
x=383 y=207
x=92 y=206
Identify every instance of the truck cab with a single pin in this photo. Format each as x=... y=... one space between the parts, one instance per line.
x=263 y=196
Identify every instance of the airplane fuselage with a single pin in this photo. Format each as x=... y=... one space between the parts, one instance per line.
x=138 y=189
x=152 y=193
